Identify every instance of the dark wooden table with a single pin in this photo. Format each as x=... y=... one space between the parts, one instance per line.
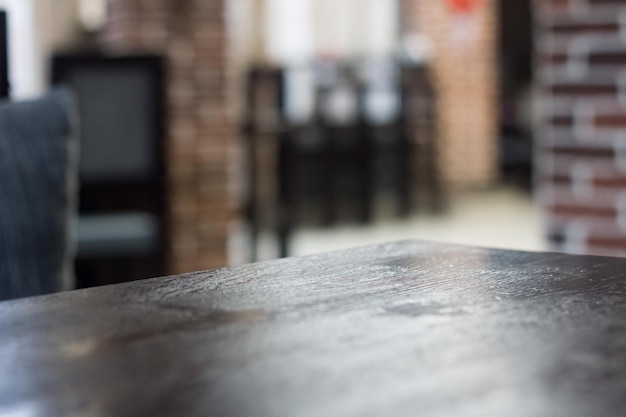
x=403 y=329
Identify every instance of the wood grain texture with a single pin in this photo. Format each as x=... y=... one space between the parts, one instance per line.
x=401 y=329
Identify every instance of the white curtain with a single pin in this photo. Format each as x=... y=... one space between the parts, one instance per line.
x=290 y=30
x=35 y=29
x=26 y=71
x=298 y=30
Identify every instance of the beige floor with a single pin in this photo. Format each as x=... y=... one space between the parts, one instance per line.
x=502 y=218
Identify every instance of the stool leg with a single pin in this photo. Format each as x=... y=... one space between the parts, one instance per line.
x=329 y=178
x=367 y=173
x=286 y=195
x=404 y=158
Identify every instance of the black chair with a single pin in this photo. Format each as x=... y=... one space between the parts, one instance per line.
x=122 y=224
x=369 y=131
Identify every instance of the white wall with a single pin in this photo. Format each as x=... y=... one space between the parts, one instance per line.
x=340 y=27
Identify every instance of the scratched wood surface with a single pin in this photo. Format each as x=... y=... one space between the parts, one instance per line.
x=402 y=329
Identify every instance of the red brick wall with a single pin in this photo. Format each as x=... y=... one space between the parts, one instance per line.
x=202 y=150
x=581 y=141
x=466 y=83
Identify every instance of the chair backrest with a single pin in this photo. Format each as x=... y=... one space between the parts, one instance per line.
x=119 y=102
x=38 y=187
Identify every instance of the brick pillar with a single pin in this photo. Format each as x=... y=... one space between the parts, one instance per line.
x=201 y=151
x=581 y=144
x=466 y=80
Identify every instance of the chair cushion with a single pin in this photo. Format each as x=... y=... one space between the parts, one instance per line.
x=38 y=189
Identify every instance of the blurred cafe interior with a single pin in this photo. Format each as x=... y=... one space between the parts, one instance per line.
x=219 y=132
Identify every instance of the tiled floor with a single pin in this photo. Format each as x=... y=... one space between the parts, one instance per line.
x=502 y=217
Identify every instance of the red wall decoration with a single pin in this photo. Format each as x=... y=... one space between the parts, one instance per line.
x=463 y=6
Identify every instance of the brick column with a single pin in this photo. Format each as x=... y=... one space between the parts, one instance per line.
x=466 y=80
x=202 y=149
x=581 y=154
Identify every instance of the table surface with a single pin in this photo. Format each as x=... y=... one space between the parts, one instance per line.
x=402 y=329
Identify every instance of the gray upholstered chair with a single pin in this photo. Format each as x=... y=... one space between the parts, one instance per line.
x=38 y=189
